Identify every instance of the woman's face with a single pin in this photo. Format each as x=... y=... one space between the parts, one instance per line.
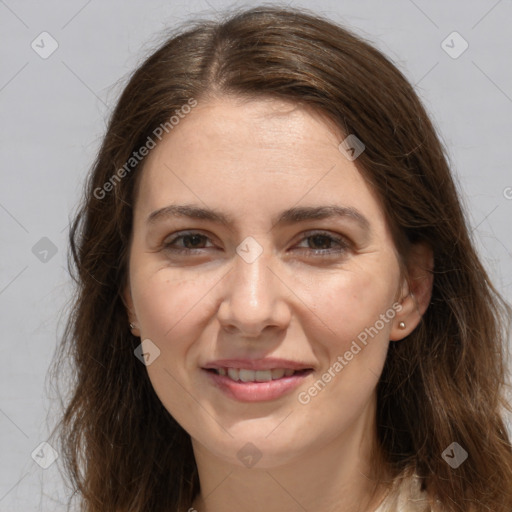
x=258 y=246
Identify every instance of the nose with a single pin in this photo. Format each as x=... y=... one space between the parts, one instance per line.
x=254 y=299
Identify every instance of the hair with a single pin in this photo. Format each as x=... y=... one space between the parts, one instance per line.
x=444 y=383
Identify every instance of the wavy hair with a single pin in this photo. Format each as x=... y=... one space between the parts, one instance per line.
x=444 y=383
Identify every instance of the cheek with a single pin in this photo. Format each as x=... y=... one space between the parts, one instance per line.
x=350 y=303
x=172 y=311
x=350 y=327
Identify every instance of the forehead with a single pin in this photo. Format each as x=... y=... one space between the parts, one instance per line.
x=252 y=156
x=232 y=128
x=218 y=113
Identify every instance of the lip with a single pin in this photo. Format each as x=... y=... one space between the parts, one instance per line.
x=258 y=364
x=256 y=391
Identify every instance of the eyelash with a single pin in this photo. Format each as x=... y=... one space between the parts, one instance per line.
x=341 y=241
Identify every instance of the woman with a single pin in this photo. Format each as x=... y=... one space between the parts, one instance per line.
x=279 y=305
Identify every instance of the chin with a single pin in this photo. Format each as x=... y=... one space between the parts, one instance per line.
x=257 y=447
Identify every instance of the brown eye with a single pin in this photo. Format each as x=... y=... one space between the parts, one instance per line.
x=187 y=242
x=325 y=243
x=320 y=241
x=193 y=241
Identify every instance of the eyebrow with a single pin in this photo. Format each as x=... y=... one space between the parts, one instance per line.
x=290 y=216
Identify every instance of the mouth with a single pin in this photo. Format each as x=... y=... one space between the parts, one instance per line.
x=248 y=375
x=256 y=380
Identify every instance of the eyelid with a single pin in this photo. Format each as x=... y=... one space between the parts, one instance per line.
x=343 y=242
x=338 y=237
x=181 y=234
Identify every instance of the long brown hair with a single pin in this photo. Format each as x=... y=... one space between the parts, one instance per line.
x=443 y=384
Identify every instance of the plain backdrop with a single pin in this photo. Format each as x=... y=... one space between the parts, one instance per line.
x=53 y=113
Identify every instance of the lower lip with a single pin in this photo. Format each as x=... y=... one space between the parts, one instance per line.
x=256 y=391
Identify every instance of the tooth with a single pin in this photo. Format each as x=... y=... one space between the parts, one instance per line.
x=263 y=375
x=247 y=375
x=233 y=373
x=277 y=373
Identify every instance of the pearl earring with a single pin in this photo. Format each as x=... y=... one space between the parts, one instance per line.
x=401 y=325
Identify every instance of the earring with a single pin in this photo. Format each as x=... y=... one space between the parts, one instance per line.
x=401 y=325
x=132 y=326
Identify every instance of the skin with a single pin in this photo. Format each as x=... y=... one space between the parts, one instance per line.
x=304 y=299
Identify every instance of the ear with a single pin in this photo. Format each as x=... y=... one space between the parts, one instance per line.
x=416 y=290
x=126 y=297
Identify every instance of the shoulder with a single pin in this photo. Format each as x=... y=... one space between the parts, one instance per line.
x=406 y=496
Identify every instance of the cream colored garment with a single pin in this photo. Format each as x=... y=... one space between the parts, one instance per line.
x=407 y=497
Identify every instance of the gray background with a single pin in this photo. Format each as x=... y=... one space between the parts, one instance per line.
x=53 y=117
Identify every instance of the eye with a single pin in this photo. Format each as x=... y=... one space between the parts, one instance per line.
x=190 y=241
x=321 y=243
x=317 y=243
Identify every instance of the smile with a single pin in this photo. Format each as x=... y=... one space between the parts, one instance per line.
x=247 y=375
x=237 y=382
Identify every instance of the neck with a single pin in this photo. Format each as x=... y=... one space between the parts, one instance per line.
x=336 y=477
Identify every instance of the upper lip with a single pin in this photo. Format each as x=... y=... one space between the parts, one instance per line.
x=258 y=364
